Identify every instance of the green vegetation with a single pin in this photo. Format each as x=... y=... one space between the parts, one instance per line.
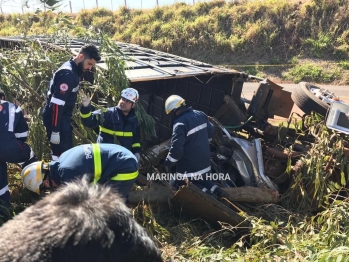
x=236 y=34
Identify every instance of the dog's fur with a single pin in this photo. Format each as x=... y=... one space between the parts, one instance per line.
x=76 y=223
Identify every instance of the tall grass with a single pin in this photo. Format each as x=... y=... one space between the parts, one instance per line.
x=218 y=32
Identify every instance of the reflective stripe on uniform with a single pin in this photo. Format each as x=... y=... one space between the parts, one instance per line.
x=213 y=188
x=196 y=129
x=57 y=101
x=177 y=124
x=97 y=162
x=23 y=134
x=115 y=133
x=124 y=177
x=136 y=145
x=85 y=115
x=11 y=116
x=4 y=190
x=173 y=160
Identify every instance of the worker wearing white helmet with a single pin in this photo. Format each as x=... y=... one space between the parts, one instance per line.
x=119 y=124
x=190 y=149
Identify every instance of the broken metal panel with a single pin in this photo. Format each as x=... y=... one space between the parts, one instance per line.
x=243 y=162
x=270 y=100
x=260 y=163
x=280 y=103
x=338 y=117
x=253 y=166
x=247 y=157
x=196 y=203
x=239 y=161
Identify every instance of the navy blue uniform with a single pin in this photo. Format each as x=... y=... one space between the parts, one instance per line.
x=190 y=149
x=114 y=124
x=102 y=163
x=13 y=134
x=60 y=102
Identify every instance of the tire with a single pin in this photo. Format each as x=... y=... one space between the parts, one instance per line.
x=307 y=101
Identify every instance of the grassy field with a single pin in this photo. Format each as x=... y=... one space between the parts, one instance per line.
x=292 y=41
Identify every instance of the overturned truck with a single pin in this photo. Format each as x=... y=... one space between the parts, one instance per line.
x=216 y=91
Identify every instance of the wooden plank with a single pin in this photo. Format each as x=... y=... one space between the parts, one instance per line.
x=191 y=200
x=252 y=194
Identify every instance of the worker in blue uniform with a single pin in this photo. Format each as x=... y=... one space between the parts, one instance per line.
x=62 y=96
x=101 y=163
x=13 y=134
x=190 y=149
x=117 y=123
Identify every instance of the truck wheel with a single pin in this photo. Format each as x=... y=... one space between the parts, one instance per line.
x=311 y=98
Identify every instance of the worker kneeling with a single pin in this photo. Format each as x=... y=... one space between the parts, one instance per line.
x=77 y=223
x=101 y=163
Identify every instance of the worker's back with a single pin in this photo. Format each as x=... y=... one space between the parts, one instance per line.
x=12 y=123
x=196 y=152
x=81 y=160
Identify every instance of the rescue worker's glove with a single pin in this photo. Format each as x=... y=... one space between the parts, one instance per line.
x=138 y=156
x=55 y=138
x=85 y=101
x=85 y=98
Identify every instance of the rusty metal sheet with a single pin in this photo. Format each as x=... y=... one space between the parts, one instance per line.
x=191 y=200
x=281 y=103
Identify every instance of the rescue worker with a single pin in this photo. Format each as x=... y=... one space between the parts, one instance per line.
x=118 y=122
x=62 y=96
x=190 y=149
x=13 y=134
x=101 y=163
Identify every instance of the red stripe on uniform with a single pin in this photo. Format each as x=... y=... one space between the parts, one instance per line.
x=56 y=119
x=54 y=114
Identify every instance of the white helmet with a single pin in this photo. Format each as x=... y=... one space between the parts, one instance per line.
x=130 y=94
x=173 y=102
x=32 y=176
